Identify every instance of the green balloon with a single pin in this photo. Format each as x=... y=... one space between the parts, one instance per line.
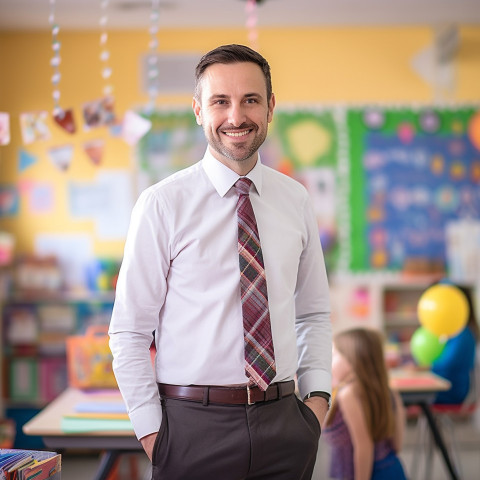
x=425 y=346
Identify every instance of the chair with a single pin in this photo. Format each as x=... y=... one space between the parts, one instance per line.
x=446 y=416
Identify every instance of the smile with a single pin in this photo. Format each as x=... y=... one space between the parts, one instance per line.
x=237 y=134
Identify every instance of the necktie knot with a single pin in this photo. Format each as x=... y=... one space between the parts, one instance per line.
x=242 y=185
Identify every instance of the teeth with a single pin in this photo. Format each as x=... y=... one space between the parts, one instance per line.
x=241 y=134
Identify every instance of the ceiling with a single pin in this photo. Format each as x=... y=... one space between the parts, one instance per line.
x=135 y=14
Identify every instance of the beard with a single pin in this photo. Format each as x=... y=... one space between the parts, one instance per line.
x=240 y=151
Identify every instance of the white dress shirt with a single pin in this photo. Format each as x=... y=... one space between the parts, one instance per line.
x=180 y=278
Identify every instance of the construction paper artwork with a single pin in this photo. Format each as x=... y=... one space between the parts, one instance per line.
x=34 y=127
x=98 y=113
x=61 y=156
x=4 y=128
x=134 y=127
x=94 y=149
x=25 y=160
x=66 y=120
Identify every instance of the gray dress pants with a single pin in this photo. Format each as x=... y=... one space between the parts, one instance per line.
x=275 y=440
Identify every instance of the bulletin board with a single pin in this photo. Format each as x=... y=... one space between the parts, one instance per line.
x=302 y=143
x=411 y=172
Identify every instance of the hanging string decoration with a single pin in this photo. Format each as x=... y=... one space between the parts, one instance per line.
x=251 y=23
x=153 y=57
x=55 y=61
x=104 y=52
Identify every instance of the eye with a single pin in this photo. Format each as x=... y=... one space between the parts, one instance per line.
x=251 y=100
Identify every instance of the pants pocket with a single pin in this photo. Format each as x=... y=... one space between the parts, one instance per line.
x=310 y=417
x=158 y=450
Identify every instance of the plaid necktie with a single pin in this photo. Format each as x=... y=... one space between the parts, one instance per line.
x=259 y=355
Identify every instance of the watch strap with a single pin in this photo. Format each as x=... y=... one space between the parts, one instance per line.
x=324 y=395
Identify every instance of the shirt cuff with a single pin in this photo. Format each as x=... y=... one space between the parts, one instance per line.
x=146 y=419
x=315 y=381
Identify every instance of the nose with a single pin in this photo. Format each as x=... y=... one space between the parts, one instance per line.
x=236 y=115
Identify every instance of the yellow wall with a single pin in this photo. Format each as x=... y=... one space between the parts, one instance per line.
x=309 y=66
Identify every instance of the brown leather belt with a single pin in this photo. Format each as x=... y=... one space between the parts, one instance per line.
x=227 y=395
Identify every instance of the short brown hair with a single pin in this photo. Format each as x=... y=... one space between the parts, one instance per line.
x=226 y=54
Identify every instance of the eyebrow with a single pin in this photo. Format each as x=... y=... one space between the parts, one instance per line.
x=220 y=96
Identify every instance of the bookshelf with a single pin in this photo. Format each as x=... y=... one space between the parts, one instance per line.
x=34 y=328
x=384 y=301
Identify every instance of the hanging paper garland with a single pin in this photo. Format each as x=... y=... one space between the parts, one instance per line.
x=251 y=23
x=55 y=61
x=104 y=52
x=152 y=57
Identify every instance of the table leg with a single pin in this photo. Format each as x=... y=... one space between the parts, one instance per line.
x=106 y=464
x=437 y=436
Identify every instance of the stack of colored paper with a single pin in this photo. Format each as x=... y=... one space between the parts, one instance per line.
x=97 y=417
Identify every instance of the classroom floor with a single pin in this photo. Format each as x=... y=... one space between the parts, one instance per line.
x=467 y=433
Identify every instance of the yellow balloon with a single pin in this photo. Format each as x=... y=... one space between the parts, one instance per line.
x=443 y=310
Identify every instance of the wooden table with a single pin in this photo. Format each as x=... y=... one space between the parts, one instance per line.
x=415 y=388
x=420 y=388
x=47 y=424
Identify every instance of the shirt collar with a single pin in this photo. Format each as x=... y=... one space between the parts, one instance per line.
x=223 y=178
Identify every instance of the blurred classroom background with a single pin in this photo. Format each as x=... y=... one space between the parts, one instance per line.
x=378 y=114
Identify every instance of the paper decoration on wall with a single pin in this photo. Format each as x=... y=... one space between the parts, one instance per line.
x=61 y=156
x=65 y=120
x=34 y=127
x=406 y=132
x=153 y=57
x=94 y=150
x=108 y=201
x=463 y=250
x=25 y=160
x=429 y=121
x=4 y=128
x=40 y=196
x=98 y=113
x=104 y=52
x=251 y=23
x=55 y=61
x=134 y=127
x=9 y=200
x=374 y=118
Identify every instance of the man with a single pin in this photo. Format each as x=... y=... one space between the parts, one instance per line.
x=230 y=277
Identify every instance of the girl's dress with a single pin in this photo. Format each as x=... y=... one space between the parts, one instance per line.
x=386 y=464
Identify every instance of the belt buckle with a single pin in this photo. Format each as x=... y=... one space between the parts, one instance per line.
x=249 y=396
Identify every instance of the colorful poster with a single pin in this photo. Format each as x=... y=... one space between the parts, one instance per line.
x=411 y=173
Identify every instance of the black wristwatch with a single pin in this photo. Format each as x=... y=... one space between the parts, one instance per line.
x=324 y=395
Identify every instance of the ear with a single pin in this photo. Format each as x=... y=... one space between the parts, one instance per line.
x=197 y=110
x=271 y=106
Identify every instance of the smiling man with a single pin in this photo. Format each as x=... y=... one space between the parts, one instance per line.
x=223 y=263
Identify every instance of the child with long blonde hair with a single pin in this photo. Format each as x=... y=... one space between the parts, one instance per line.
x=365 y=425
